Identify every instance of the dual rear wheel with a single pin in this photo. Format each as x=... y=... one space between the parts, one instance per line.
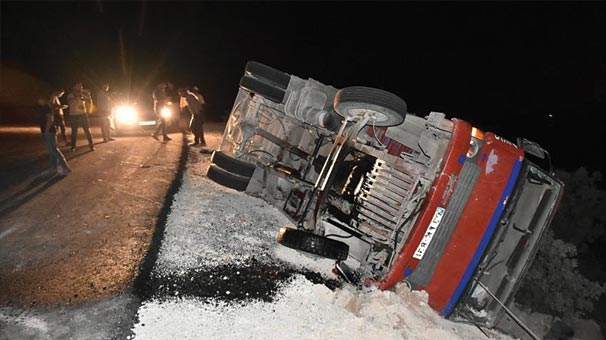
x=230 y=172
x=236 y=174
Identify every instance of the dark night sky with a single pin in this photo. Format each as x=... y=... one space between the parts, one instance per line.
x=504 y=67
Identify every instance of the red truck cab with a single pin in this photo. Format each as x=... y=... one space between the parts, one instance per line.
x=494 y=217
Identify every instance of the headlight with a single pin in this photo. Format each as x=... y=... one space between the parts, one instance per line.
x=126 y=114
x=166 y=112
x=474 y=147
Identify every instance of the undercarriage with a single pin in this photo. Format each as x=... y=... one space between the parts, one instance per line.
x=346 y=179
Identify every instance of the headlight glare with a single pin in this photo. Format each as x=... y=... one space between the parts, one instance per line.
x=166 y=112
x=126 y=114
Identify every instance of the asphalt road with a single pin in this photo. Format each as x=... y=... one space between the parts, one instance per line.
x=80 y=238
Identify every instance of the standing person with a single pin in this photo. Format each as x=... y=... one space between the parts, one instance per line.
x=48 y=129
x=184 y=115
x=196 y=92
x=57 y=110
x=161 y=98
x=195 y=102
x=104 y=107
x=78 y=102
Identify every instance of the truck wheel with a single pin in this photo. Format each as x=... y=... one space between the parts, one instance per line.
x=232 y=165
x=386 y=108
x=227 y=178
x=263 y=89
x=312 y=243
x=268 y=74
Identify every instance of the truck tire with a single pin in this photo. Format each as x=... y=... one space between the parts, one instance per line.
x=263 y=89
x=268 y=74
x=227 y=178
x=312 y=243
x=388 y=109
x=232 y=165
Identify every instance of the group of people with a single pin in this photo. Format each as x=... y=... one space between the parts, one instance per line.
x=191 y=103
x=51 y=117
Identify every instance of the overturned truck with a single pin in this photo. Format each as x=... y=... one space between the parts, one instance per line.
x=390 y=196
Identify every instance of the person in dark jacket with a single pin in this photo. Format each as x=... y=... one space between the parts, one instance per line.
x=48 y=129
x=57 y=109
x=104 y=107
x=161 y=96
x=184 y=114
x=195 y=104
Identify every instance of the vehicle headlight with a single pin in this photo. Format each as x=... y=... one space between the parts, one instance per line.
x=166 y=112
x=126 y=114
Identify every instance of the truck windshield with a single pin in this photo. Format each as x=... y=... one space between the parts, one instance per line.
x=528 y=213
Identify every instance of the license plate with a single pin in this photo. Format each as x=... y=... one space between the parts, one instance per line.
x=429 y=233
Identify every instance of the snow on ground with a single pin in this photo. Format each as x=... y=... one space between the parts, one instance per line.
x=214 y=227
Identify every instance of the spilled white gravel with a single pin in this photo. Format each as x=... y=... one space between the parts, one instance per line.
x=210 y=225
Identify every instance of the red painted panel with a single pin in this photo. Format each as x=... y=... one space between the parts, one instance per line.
x=496 y=160
x=437 y=196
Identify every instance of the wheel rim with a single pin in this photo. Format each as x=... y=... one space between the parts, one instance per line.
x=375 y=116
x=379 y=116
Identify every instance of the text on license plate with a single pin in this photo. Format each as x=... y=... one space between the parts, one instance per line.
x=429 y=233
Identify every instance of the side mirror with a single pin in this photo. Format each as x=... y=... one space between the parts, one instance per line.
x=536 y=154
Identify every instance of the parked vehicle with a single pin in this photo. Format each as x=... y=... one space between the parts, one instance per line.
x=390 y=196
x=130 y=115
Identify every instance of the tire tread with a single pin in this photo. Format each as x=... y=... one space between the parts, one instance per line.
x=266 y=73
x=226 y=178
x=314 y=244
x=231 y=164
x=263 y=89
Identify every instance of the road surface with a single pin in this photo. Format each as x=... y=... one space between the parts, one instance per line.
x=71 y=242
x=72 y=239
